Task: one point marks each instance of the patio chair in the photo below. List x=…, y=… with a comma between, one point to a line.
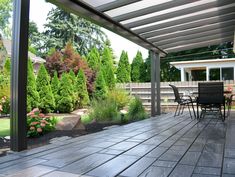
x=229, y=102
x=211, y=98
x=182, y=100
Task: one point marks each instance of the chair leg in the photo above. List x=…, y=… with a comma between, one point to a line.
x=197, y=112
x=176, y=110
x=189, y=111
x=193, y=111
x=224, y=113
x=182, y=109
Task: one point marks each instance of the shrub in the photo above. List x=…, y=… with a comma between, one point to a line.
x=55, y=88
x=101, y=90
x=103, y=110
x=136, y=67
x=136, y=110
x=93, y=59
x=32, y=93
x=83, y=98
x=121, y=97
x=65, y=102
x=39, y=124
x=47, y=101
x=74, y=90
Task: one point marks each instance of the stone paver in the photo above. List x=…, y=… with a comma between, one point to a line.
x=158, y=147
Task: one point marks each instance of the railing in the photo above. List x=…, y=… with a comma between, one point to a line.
x=143, y=91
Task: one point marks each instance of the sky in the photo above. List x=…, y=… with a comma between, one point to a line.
x=38, y=13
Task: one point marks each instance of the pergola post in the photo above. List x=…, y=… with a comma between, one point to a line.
x=158, y=83
x=153, y=83
x=19, y=75
x=234, y=41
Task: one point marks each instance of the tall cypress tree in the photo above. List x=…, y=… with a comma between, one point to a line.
x=93, y=59
x=32, y=93
x=124, y=69
x=73, y=83
x=65, y=102
x=47, y=101
x=83, y=98
x=136, y=67
x=100, y=91
x=7, y=66
x=55, y=87
x=108, y=68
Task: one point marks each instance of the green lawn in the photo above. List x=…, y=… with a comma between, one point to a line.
x=4, y=127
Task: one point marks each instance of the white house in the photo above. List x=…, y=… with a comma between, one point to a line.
x=212, y=69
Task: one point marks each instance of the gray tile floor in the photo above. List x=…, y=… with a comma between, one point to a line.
x=157, y=147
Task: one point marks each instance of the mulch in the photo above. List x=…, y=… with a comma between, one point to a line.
x=45, y=139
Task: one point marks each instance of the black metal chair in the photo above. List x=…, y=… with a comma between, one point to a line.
x=182, y=100
x=211, y=98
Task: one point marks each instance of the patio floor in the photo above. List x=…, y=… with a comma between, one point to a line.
x=157, y=147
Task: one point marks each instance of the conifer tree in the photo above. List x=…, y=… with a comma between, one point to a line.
x=32, y=93
x=65, y=102
x=47, y=102
x=108, y=68
x=7, y=66
x=100, y=91
x=83, y=98
x=55, y=87
x=93, y=59
x=136, y=67
x=123, y=70
x=73, y=83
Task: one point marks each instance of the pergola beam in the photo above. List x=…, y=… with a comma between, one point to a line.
x=188, y=41
x=149, y=31
x=206, y=33
x=115, y=4
x=198, y=45
x=152, y=9
x=86, y=11
x=196, y=24
x=193, y=31
x=177, y=13
x=19, y=75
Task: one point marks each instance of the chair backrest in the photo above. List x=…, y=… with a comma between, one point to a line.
x=211, y=93
x=176, y=93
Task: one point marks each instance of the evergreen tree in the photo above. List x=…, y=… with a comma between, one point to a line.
x=55, y=87
x=32, y=93
x=107, y=68
x=93, y=59
x=73, y=83
x=65, y=102
x=83, y=98
x=47, y=102
x=101, y=90
x=123, y=70
x=136, y=67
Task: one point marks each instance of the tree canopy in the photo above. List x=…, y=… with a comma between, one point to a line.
x=124, y=69
x=6, y=7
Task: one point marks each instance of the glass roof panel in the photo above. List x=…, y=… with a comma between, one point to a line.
x=96, y=3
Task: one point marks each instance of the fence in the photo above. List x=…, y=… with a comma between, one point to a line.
x=143, y=91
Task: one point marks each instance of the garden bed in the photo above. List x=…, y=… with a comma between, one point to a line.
x=48, y=138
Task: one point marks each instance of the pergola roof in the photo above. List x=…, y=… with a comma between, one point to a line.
x=164, y=25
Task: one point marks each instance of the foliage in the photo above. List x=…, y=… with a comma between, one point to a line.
x=7, y=66
x=5, y=105
x=119, y=96
x=62, y=27
x=39, y=124
x=145, y=75
x=86, y=119
x=6, y=7
x=65, y=101
x=55, y=88
x=83, y=98
x=68, y=59
x=123, y=70
x=108, y=68
x=103, y=110
x=32, y=93
x=136, y=67
x=136, y=110
x=47, y=102
x=100, y=91
x=73, y=82
x=93, y=59
x=5, y=80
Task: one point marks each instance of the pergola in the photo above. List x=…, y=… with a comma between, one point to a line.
x=162, y=27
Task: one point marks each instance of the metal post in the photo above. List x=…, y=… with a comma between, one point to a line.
x=153, y=83
x=158, y=82
x=234, y=41
x=19, y=75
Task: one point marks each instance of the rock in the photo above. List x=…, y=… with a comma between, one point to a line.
x=68, y=123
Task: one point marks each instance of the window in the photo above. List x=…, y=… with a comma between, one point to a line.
x=214, y=74
x=227, y=74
